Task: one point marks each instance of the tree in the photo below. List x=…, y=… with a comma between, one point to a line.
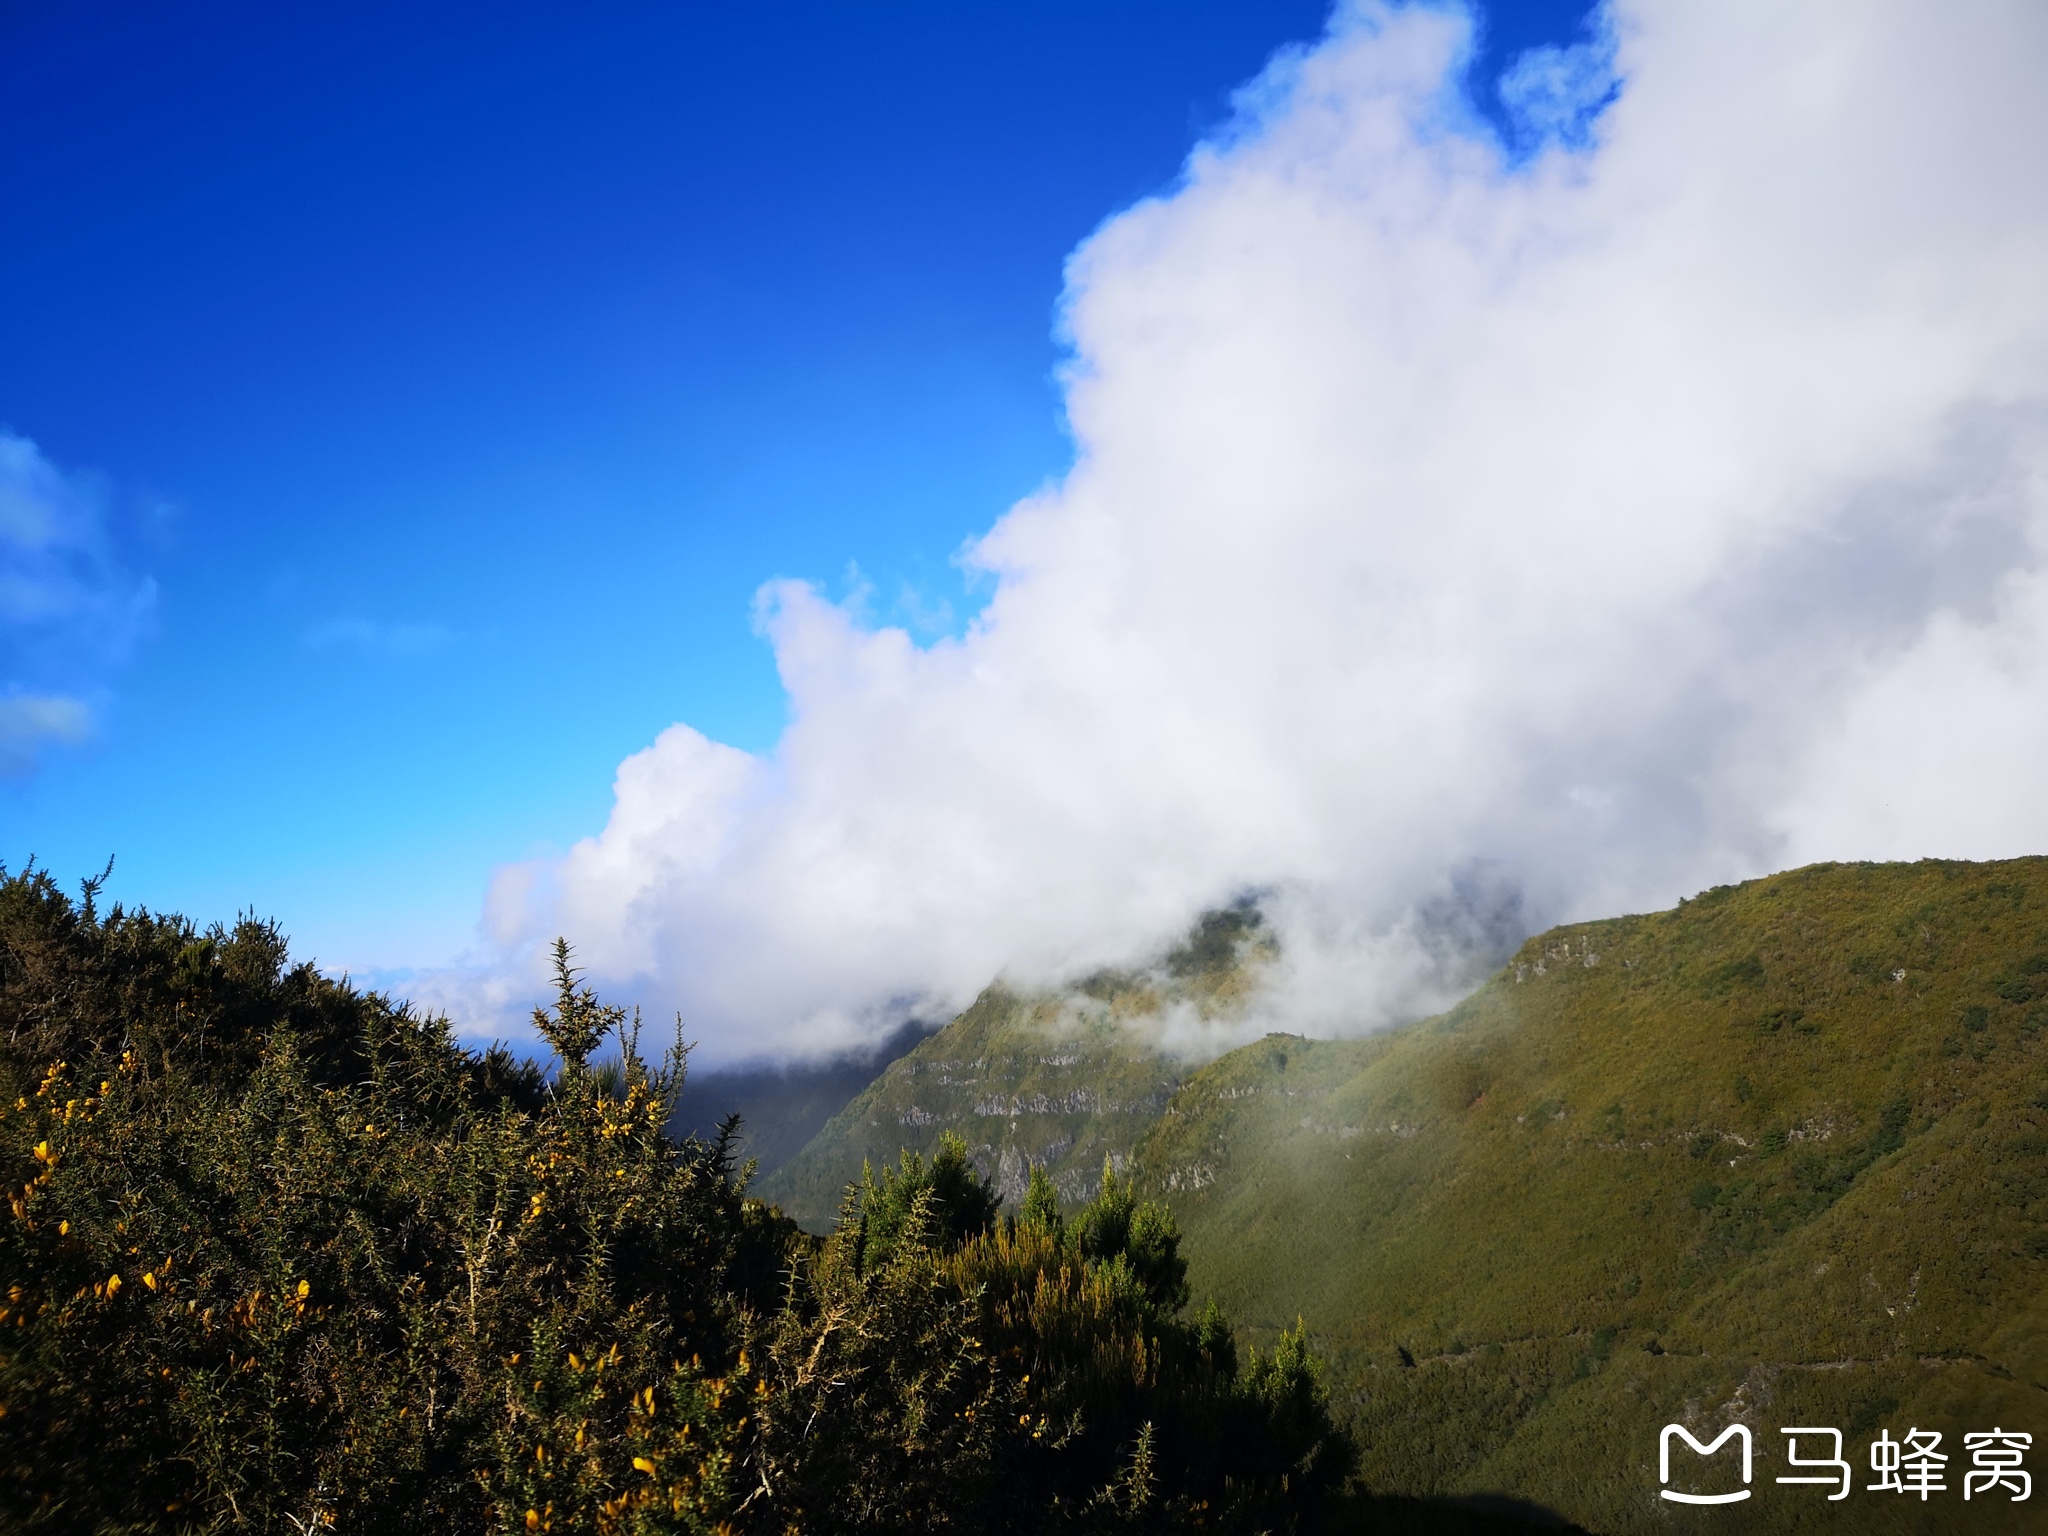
x=1117, y=1225
x=1018, y=1377
x=284, y=1254
x=961, y=1203
x=1041, y=1208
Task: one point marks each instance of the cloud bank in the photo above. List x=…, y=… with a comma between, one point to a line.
x=68, y=612
x=1460, y=539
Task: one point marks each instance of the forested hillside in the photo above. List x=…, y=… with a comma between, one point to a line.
x=1779, y=1155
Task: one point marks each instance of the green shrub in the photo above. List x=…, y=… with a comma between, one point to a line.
x=283, y=1252
x=282, y=1255
x=1026, y=1376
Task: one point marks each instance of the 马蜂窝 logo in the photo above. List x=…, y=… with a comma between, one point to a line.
x=1914, y=1466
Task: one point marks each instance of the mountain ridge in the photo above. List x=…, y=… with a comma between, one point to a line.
x=1776, y=1155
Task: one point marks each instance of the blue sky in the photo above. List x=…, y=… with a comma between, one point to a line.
x=441, y=382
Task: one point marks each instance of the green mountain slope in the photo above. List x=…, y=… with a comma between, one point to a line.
x=782, y=1108
x=1777, y=1156
x=1059, y=1080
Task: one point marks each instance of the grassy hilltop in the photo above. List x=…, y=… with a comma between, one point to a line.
x=1780, y=1154
x=1054, y=1081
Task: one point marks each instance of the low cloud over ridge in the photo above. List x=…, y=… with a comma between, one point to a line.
x=1456, y=539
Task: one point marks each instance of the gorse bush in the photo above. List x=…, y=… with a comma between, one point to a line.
x=280, y=1255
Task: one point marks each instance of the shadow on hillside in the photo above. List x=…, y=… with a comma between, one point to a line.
x=1485, y=1514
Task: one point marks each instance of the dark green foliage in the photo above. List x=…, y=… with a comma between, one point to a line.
x=895, y=1410
x=1891, y=1125
x=1212, y=948
x=1046, y=1385
x=955, y=1200
x=1214, y=1338
x=1285, y=1405
x=1746, y=972
x=578, y=1020
x=1041, y=1208
x=1116, y=1227
x=1774, y=1019
x=278, y=1255
x=1870, y=1413
x=283, y=1253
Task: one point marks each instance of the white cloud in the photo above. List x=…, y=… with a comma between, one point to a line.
x=68, y=612
x=1455, y=541
x=31, y=721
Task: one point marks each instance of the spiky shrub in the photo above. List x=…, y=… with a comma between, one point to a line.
x=279, y=1254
